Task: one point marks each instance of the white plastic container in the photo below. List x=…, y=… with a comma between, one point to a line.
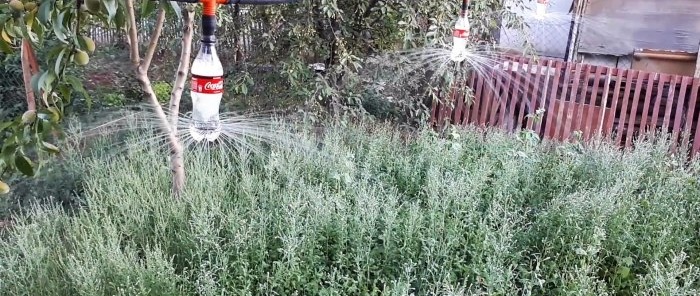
x=460, y=39
x=207, y=89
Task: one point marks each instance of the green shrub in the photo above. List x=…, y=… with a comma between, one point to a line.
x=113, y=99
x=162, y=90
x=370, y=212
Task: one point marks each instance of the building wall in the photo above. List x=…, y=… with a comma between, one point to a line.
x=618, y=27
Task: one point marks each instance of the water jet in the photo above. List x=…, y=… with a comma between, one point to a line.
x=207, y=74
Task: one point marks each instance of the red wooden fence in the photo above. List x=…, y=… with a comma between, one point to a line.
x=618, y=104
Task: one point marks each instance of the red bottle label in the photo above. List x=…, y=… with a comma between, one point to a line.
x=207, y=85
x=460, y=33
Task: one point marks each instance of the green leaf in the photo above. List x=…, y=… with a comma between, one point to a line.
x=624, y=272
x=111, y=6
x=65, y=93
x=5, y=47
x=50, y=147
x=54, y=51
x=147, y=7
x=42, y=81
x=24, y=165
x=78, y=86
x=39, y=126
x=3, y=19
x=35, y=82
x=59, y=59
x=38, y=29
x=9, y=150
x=176, y=8
x=627, y=261
x=45, y=11
x=55, y=114
x=48, y=83
x=58, y=28
x=10, y=29
x=5, y=125
x=120, y=19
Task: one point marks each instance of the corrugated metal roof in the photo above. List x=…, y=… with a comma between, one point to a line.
x=618, y=27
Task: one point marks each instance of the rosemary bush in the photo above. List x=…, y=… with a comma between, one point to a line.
x=371, y=211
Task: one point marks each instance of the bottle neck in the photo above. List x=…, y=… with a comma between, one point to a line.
x=207, y=47
x=208, y=41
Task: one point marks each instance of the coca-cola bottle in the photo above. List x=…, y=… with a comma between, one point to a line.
x=207, y=86
x=460, y=37
x=541, y=8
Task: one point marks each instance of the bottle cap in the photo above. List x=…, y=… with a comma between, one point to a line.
x=209, y=39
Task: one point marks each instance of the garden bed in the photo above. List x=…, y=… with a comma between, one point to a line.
x=370, y=213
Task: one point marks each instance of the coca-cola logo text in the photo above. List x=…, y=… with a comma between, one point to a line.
x=214, y=85
x=460, y=33
x=207, y=85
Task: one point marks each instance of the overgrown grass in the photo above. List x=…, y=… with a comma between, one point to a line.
x=367, y=213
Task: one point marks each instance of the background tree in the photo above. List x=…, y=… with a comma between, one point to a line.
x=266, y=50
x=355, y=39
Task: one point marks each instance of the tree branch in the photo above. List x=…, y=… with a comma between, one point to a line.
x=133, y=35
x=153, y=43
x=184, y=67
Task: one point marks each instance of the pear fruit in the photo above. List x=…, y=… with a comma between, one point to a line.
x=4, y=188
x=29, y=6
x=29, y=117
x=17, y=5
x=89, y=44
x=81, y=58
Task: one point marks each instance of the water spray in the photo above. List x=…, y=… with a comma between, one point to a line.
x=207, y=82
x=460, y=34
x=541, y=8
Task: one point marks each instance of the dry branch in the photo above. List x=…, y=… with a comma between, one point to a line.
x=153, y=43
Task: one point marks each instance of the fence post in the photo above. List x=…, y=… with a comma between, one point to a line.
x=697, y=63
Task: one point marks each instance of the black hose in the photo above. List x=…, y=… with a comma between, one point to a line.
x=261, y=2
x=465, y=5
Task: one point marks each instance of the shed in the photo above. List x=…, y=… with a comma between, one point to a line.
x=622, y=33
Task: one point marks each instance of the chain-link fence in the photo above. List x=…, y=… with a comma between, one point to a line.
x=548, y=35
x=12, y=98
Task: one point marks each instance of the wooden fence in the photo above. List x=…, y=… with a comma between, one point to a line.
x=618, y=104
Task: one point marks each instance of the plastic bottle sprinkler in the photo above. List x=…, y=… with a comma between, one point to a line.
x=541, y=8
x=207, y=82
x=460, y=34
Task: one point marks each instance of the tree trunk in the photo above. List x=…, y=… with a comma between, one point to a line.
x=177, y=159
x=30, y=67
x=141, y=68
